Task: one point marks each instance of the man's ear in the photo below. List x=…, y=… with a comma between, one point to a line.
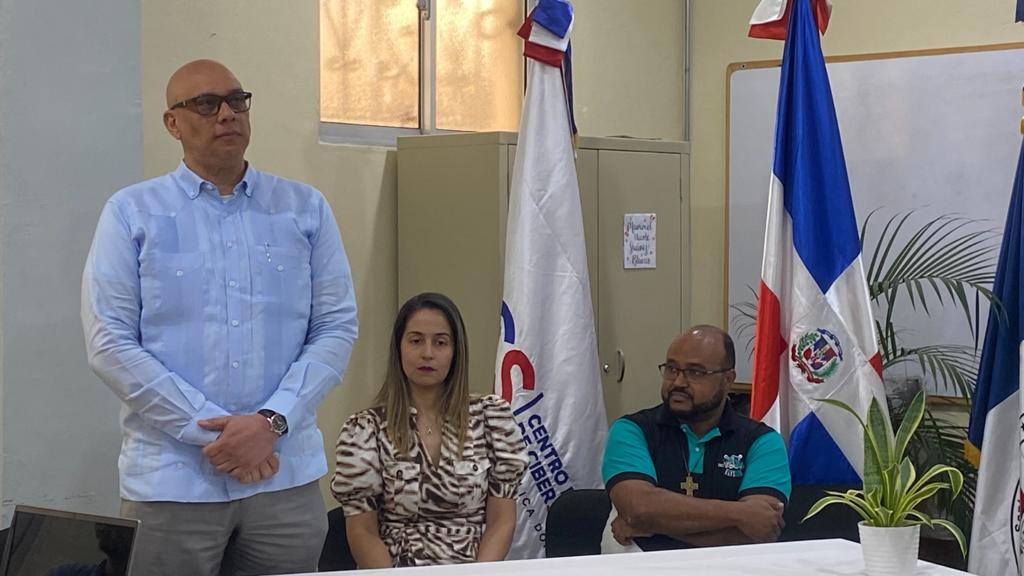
x=171, y=123
x=729, y=380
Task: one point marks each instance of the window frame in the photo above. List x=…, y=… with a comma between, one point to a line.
x=387, y=136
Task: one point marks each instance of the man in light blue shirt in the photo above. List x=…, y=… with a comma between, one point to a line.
x=217, y=303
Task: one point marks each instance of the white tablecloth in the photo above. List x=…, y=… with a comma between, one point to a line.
x=830, y=557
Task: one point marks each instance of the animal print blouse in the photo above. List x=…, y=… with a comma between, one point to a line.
x=430, y=513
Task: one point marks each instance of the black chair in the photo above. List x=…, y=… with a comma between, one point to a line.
x=575, y=523
x=835, y=521
x=336, y=554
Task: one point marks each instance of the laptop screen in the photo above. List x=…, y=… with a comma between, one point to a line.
x=55, y=543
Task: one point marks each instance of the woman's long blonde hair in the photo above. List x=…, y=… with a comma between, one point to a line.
x=394, y=396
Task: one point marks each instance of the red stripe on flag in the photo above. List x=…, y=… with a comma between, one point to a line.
x=876, y=363
x=544, y=54
x=769, y=346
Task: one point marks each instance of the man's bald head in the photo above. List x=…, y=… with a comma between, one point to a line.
x=716, y=334
x=214, y=144
x=191, y=79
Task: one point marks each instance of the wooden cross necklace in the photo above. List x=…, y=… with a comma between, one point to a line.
x=689, y=486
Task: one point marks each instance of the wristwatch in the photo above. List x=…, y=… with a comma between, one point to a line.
x=278, y=423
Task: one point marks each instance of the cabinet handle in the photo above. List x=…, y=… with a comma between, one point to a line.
x=622, y=364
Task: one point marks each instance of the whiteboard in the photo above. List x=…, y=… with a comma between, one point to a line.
x=936, y=132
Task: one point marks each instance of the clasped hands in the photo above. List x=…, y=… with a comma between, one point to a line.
x=244, y=449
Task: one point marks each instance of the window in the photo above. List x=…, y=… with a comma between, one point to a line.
x=396, y=67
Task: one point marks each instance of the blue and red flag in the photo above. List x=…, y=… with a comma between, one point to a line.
x=815, y=334
x=997, y=414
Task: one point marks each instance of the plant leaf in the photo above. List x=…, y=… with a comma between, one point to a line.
x=955, y=531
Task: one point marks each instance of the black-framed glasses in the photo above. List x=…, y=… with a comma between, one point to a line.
x=209, y=104
x=671, y=372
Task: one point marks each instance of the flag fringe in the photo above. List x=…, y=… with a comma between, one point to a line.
x=972, y=454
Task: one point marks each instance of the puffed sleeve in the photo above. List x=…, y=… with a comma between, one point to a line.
x=357, y=481
x=505, y=448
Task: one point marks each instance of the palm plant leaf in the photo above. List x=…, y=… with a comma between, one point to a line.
x=953, y=367
x=744, y=319
x=941, y=260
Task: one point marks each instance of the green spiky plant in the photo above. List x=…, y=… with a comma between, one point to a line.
x=893, y=491
x=946, y=261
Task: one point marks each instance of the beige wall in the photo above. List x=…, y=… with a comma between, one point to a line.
x=272, y=47
x=858, y=27
x=628, y=68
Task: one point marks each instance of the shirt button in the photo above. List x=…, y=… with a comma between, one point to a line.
x=697, y=448
x=234, y=364
x=231, y=244
x=180, y=466
x=280, y=268
x=234, y=322
x=179, y=273
x=232, y=283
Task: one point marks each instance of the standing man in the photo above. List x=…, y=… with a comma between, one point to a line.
x=690, y=471
x=217, y=304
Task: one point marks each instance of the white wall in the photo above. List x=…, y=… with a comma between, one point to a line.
x=69, y=137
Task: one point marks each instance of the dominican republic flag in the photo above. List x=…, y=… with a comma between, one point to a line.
x=547, y=365
x=771, y=18
x=815, y=335
x=997, y=414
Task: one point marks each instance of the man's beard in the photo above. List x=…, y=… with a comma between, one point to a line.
x=697, y=411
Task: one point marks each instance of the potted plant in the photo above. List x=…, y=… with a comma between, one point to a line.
x=893, y=491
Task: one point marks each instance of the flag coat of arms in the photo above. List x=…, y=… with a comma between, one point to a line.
x=814, y=334
x=997, y=414
x=547, y=365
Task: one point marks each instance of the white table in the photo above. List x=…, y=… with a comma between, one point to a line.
x=829, y=557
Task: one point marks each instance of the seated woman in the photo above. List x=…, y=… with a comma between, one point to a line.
x=429, y=473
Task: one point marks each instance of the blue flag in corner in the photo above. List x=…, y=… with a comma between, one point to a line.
x=996, y=417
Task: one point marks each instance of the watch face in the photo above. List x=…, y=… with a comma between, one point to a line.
x=278, y=423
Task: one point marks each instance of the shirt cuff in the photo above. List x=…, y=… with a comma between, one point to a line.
x=193, y=434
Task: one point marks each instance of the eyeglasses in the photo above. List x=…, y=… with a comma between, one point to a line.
x=209, y=104
x=670, y=372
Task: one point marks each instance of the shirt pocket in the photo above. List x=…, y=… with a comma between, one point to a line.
x=282, y=282
x=173, y=285
x=402, y=488
x=471, y=476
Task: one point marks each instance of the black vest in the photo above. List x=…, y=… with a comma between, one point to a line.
x=669, y=449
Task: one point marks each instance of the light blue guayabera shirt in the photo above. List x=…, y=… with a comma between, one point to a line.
x=195, y=307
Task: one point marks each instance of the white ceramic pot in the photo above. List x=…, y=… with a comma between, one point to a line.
x=889, y=551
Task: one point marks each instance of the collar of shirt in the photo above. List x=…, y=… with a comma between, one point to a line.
x=193, y=185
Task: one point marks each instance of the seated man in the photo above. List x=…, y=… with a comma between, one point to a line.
x=691, y=472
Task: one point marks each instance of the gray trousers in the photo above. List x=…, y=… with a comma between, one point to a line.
x=271, y=533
